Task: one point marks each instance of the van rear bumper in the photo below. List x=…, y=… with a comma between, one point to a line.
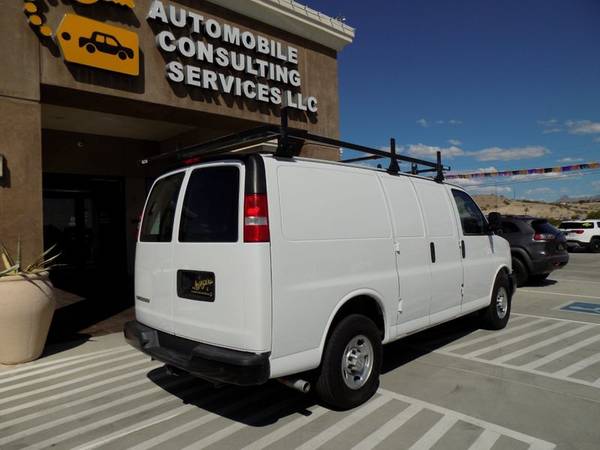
x=205, y=361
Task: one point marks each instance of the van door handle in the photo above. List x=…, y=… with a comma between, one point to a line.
x=432, y=249
x=462, y=249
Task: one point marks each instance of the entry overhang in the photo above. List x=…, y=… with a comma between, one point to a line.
x=294, y=18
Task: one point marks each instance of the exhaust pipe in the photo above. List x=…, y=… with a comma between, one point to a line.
x=296, y=383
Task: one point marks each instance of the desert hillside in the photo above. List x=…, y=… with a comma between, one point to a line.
x=555, y=211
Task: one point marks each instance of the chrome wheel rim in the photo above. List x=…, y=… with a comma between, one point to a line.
x=357, y=362
x=502, y=302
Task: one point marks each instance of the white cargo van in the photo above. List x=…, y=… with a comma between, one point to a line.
x=257, y=267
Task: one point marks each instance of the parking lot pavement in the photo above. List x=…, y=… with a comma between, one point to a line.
x=535, y=384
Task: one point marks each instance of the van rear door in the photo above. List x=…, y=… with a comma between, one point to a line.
x=154, y=252
x=222, y=285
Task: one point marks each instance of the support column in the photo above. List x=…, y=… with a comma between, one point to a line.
x=21, y=187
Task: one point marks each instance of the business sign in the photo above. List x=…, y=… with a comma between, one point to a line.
x=90, y=42
x=223, y=58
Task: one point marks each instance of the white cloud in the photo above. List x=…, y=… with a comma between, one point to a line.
x=539, y=191
x=422, y=150
x=427, y=123
x=490, y=190
x=570, y=160
x=548, y=123
x=509, y=154
x=454, y=142
x=552, y=130
x=582, y=127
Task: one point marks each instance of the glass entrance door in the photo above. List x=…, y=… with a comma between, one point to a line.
x=85, y=218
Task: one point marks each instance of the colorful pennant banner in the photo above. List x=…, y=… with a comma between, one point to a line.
x=512, y=173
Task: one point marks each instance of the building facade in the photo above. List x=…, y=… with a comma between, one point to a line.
x=90, y=87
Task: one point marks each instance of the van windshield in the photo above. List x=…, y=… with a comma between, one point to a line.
x=210, y=208
x=160, y=209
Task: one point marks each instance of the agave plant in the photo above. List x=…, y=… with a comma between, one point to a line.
x=13, y=266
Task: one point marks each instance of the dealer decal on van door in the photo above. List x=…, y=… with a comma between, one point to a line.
x=196, y=285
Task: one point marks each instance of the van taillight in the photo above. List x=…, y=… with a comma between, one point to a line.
x=256, y=218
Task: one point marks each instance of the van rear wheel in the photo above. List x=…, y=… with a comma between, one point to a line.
x=496, y=315
x=351, y=363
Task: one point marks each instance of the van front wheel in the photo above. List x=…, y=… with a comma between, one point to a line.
x=351, y=363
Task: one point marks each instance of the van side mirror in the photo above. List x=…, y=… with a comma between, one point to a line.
x=494, y=222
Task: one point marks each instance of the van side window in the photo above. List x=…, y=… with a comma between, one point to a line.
x=472, y=219
x=159, y=215
x=210, y=207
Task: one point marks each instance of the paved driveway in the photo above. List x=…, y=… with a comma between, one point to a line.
x=535, y=384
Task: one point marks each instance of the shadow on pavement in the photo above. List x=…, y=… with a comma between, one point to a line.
x=260, y=399
x=261, y=406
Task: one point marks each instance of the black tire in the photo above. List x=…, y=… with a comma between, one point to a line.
x=330, y=385
x=122, y=55
x=595, y=245
x=539, y=277
x=91, y=48
x=492, y=317
x=520, y=271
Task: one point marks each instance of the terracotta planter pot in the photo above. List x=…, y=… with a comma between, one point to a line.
x=26, y=308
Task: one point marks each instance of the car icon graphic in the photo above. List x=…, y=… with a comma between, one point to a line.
x=105, y=43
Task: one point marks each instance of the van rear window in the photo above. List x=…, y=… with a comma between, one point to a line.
x=157, y=225
x=210, y=208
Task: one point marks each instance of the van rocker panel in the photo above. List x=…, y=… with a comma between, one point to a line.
x=205, y=361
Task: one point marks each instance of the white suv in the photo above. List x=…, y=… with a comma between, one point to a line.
x=258, y=267
x=582, y=233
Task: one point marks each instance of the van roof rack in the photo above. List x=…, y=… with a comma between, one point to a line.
x=289, y=142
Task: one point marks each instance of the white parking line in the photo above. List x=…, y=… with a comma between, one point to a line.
x=64, y=373
x=552, y=340
x=507, y=342
x=70, y=382
x=32, y=369
x=70, y=392
x=532, y=441
x=79, y=430
x=579, y=365
x=487, y=336
x=332, y=431
x=388, y=428
x=562, y=319
x=206, y=418
x=435, y=433
x=559, y=353
x=237, y=426
x=86, y=413
x=529, y=291
x=79, y=401
x=485, y=441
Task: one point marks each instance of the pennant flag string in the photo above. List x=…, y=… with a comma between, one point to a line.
x=512, y=173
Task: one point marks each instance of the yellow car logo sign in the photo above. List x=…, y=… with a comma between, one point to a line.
x=96, y=44
x=128, y=3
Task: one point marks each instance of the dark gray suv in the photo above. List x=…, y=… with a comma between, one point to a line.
x=536, y=246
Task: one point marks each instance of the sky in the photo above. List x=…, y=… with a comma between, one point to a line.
x=499, y=85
